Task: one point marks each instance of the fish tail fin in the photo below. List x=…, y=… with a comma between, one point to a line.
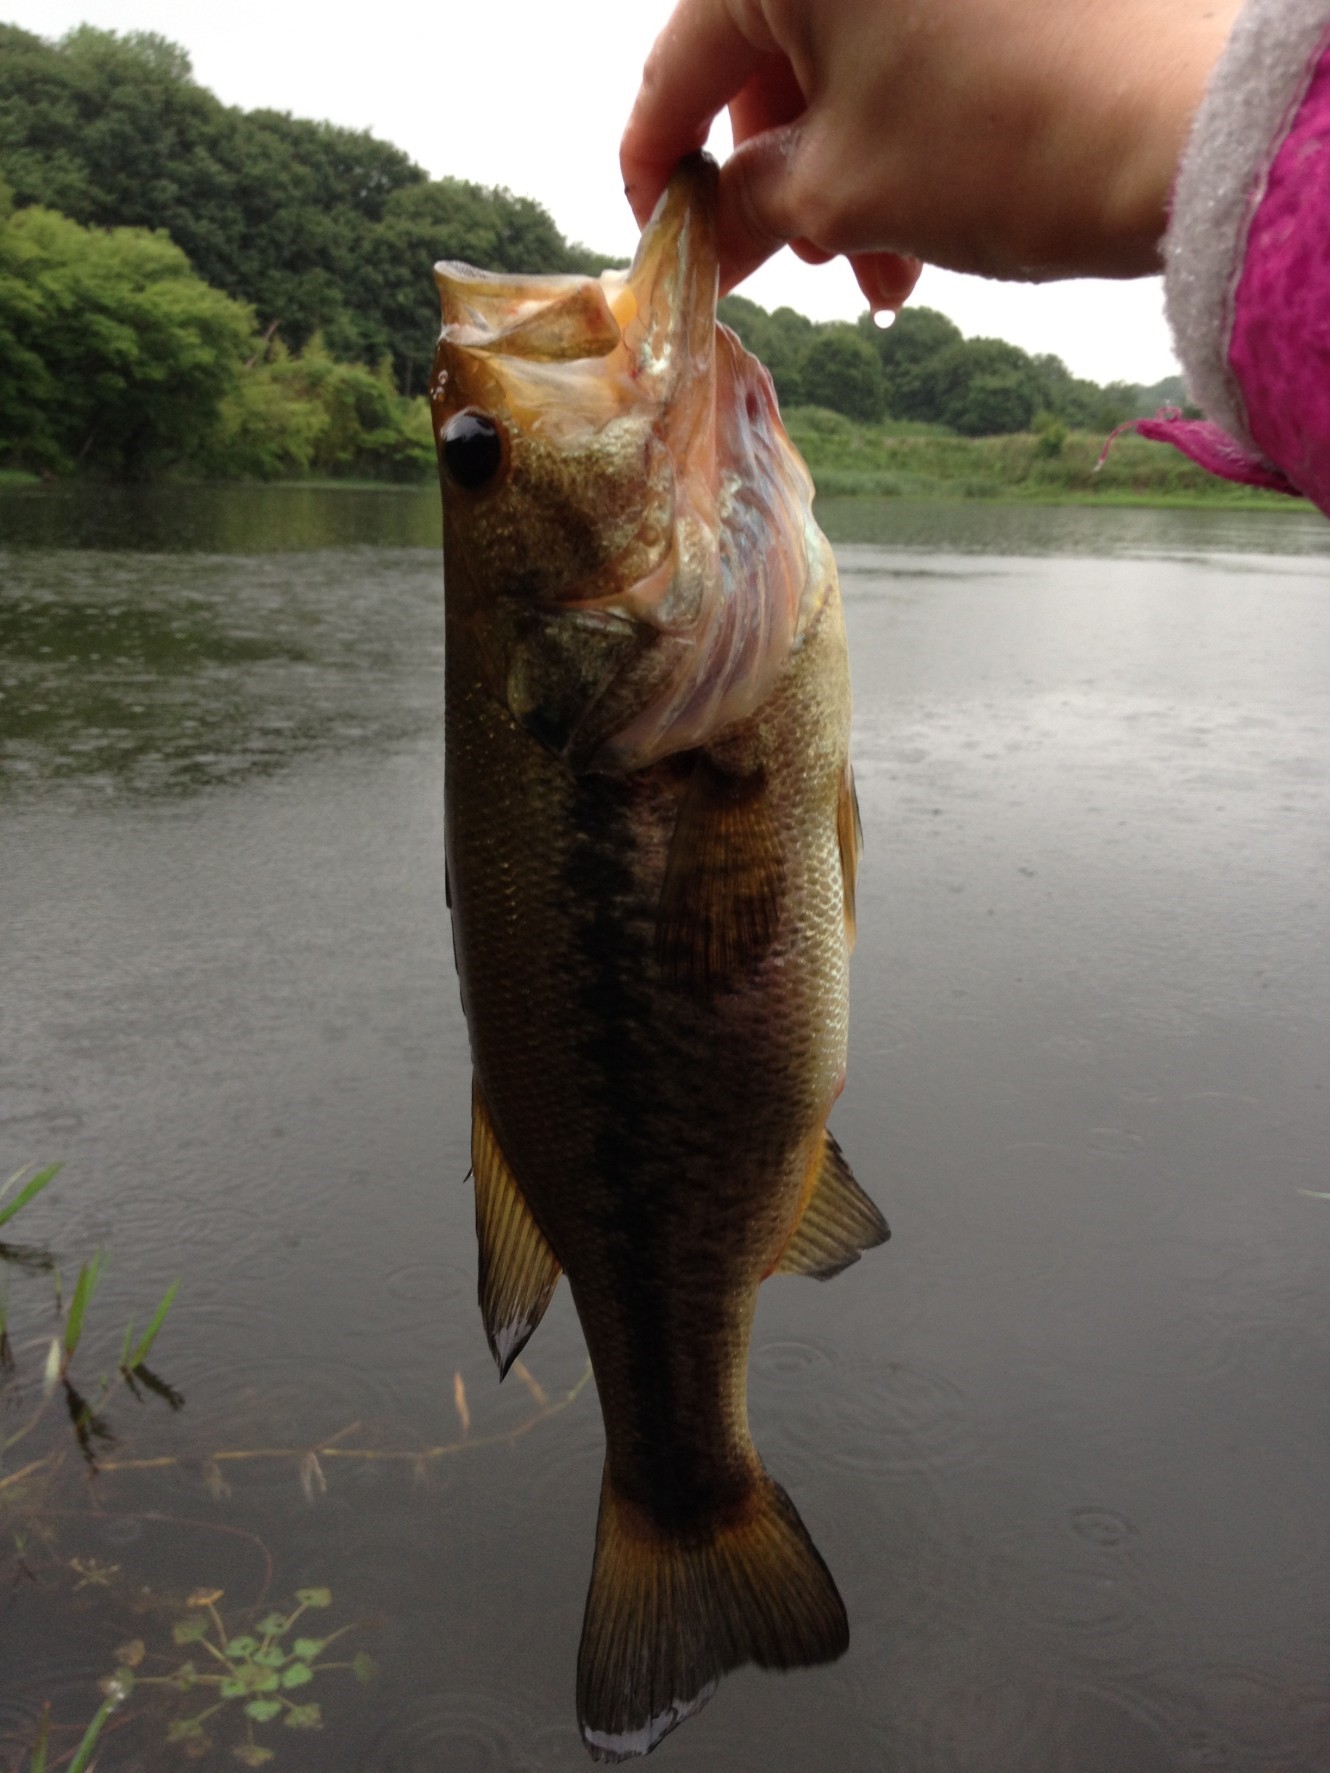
x=668, y=1614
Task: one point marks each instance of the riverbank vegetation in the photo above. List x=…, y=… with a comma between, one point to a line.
x=195, y=291
x=1049, y=464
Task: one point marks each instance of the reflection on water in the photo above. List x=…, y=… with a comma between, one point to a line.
x=165, y=673
x=235, y=519
x=1065, y=1452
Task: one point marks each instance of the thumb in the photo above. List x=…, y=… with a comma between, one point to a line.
x=758, y=202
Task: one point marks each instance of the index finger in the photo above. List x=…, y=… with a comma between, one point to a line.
x=696, y=66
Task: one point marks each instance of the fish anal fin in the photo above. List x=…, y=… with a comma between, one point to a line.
x=720, y=900
x=838, y=1224
x=850, y=839
x=668, y=1615
x=518, y=1270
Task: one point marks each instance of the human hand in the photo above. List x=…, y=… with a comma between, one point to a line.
x=1026, y=139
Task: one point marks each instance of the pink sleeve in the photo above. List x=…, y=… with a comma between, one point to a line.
x=1249, y=291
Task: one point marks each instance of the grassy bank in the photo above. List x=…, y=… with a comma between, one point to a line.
x=899, y=460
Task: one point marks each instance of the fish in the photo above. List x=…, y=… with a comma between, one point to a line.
x=651, y=839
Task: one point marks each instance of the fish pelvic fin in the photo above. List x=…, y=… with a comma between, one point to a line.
x=667, y=1615
x=838, y=1224
x=850, y=841
x=518, y=1269
x=724, y=875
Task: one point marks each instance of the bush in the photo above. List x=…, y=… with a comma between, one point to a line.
x=310, y=414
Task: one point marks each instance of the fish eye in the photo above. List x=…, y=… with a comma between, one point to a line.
x=472, y=449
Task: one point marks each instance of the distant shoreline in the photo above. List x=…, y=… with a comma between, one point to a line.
x=917, y=463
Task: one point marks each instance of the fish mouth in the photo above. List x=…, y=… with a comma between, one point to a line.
x=642, y=429
x=658, y=316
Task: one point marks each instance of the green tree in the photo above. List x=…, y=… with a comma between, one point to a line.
x=112, y=352
x=842, y=371
x=271, y=209
x=980, y=387
x=905, y=349
x=321, y=229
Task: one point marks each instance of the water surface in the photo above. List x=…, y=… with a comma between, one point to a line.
x=1062, y=1441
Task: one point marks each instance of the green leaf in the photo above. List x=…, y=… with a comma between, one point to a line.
x=273, y=1626
x=141, y=1353
x=189, y=1631
x=314, y=1597
x=252, y=1755
x=273, y=1657
x=245, y=1646
x=256, y=1680
x=364, y=1667
x=304, y=1717
x=231, y=1688
x=261, y=1710
x=296, y=1674
x=307, y=1648
x=89, y=1274
x=184, y=1677
x=83, y=1753
x=181, y=1729
x=39, y=1753
x=29, y=1191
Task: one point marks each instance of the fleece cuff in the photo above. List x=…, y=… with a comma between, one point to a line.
x=1250, y=105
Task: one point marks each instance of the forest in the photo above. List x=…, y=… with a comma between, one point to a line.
x=188, y=288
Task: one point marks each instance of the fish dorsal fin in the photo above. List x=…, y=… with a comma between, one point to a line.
x=850, y=839
x=838, y=1224
x=518, y=1269
x=720, y=900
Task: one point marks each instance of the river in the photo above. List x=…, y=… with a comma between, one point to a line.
x=1063, y=1441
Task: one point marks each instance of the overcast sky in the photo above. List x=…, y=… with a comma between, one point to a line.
x=533, y=94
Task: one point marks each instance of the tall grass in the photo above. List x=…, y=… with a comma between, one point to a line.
x=898, y=460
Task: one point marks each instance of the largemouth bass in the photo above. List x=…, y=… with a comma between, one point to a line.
x=651, y=847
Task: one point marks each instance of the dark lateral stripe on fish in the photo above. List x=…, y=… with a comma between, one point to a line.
x=625, y=1047
x=615, y=1005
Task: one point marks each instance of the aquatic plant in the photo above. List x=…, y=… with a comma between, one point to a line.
x=255, y=1671
x=90, y=1430
x=252, y=1672
x=83, y=1753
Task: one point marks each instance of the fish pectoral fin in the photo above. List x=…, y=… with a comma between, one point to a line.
x=838, y=1224
x=850, y=839
x=667, y=1615
x=720, y=900
x=518, y=1269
